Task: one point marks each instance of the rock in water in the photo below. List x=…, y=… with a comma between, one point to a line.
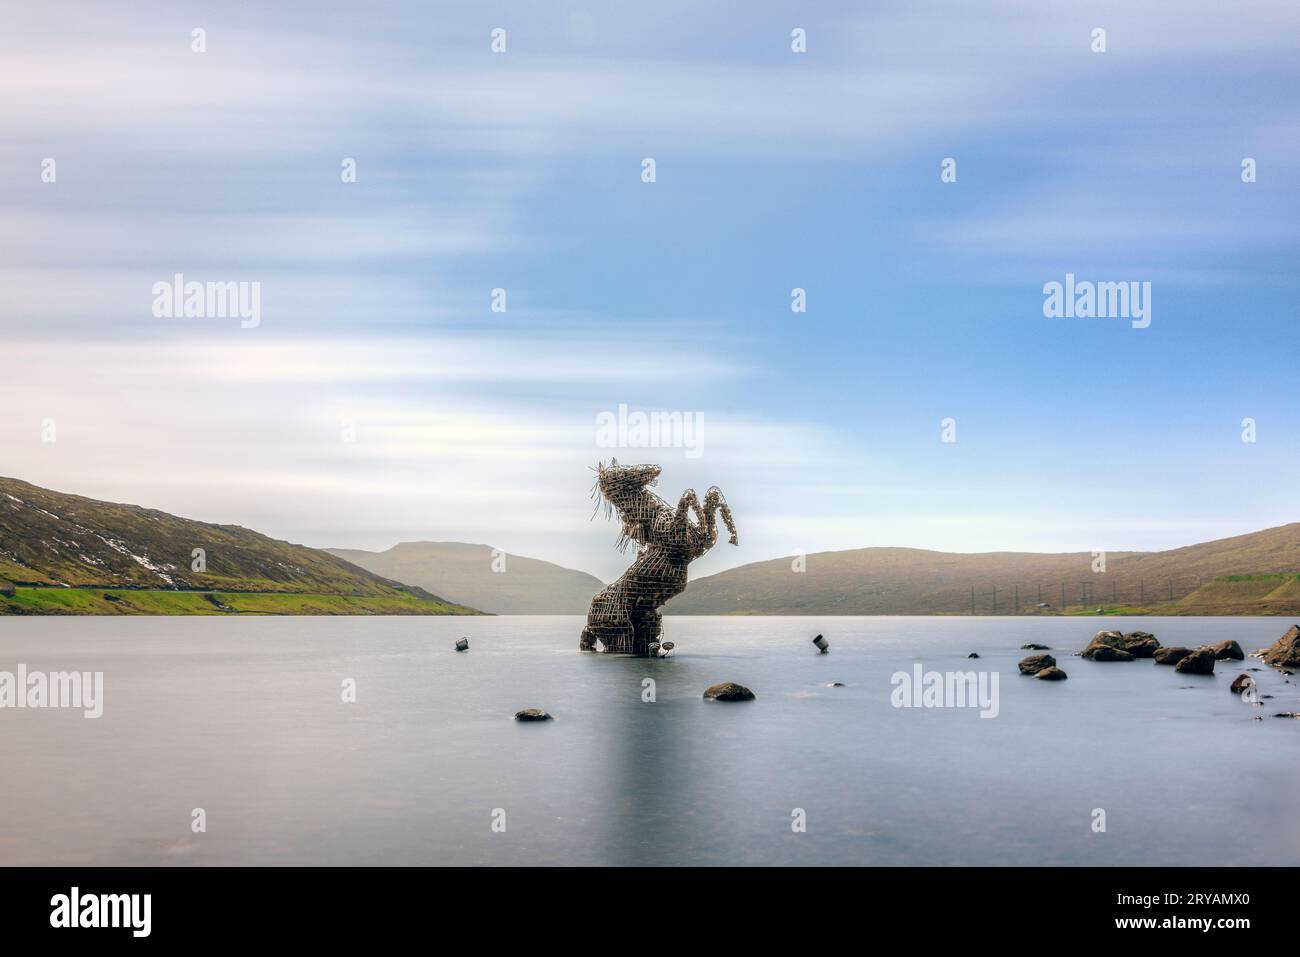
x=1117, y=646
x=1170, y=656
x=1052, y=674
x=462, y=645
x=1036, y=663
x=1241, y=683
x=532, y=714
x=1112, y=646
x=1140, y=644
x=1285, y=652
x=1199, y=662
x=1103, y=639
x=822, y=645
x=972, y=655
x=1034, y=647
x=728, y=691
x=1227, y=649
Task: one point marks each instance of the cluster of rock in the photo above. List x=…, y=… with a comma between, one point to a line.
x=1105, y=646
x=1042, y=666
x=1285, y=652
x=1117, y=646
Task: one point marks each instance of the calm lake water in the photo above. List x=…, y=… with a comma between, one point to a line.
x=244, y=719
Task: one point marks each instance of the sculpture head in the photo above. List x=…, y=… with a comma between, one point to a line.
x=619, y=483
x=623, y=489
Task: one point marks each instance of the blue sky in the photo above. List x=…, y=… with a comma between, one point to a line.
x=775, y=170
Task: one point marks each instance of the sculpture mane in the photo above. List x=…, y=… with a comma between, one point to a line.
x=625, y=617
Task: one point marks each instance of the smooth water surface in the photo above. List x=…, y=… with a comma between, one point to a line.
x=244, y=719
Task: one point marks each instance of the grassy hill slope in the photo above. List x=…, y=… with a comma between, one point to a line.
x=1246, y=574
x=464, y=573
x=56, y=548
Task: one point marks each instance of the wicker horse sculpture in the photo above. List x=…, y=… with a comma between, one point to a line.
x=624, y=617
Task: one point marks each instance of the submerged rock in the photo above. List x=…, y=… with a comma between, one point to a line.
x=1199, y=662
x=1036, y=663
x=728, y=691
x=1117, y=646
x=1104, y=639
x=1285, y=652
x=1170, y=656
x=1034, y=647
x=972, y=655
x=1140, y=644
x=1227, y=649
x=836, y=684
x=1241, y=683
x=1051, y=674
x=532, y=714
x=462, y=645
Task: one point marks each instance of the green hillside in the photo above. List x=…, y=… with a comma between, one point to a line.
x=1247, y=574
x=465, y=573
x=60, y=554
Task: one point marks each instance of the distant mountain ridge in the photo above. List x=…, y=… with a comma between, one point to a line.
x=464, y=573
x=52, y=542
x=63, y=553
x=1254, y=573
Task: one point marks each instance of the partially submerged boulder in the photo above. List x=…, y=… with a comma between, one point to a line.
x=1104, y=639
x=1227, y=649
x=1170, y=656
x=1116, y=646
x=973, y=655
x=1199, y=662
x=1051, y=674
x=822, y=644
x=1285, y=652
x=728, y=691
x=1032, y=646
x=532, y=714
x=1107, y=653
x=1241, y=683
x=1140, y=644
x=462, y=644
x=1036, y=663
